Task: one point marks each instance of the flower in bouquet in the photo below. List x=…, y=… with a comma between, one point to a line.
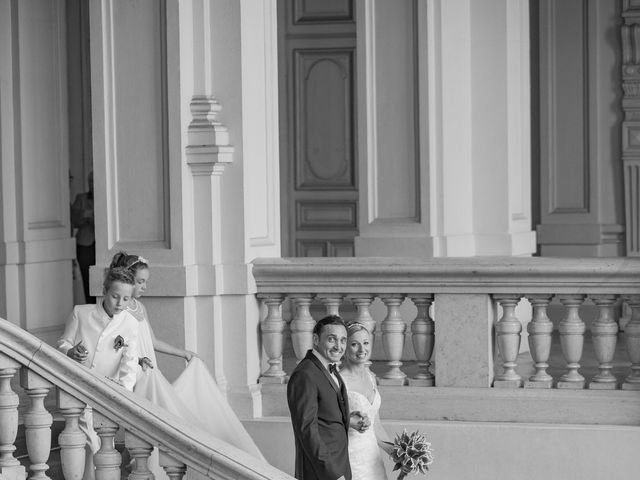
x=411, y=453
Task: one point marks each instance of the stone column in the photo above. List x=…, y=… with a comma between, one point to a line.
x=36, y=247
x=186, y=163
x=444, y=128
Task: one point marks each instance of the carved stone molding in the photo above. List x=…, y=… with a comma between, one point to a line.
x=630, y=37
x=208, y=150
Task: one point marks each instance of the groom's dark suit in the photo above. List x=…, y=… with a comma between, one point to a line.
x=320, y=418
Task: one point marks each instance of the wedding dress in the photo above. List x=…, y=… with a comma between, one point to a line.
x=194, y=396
x=364, y=453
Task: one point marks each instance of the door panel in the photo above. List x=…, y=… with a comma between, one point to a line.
x=318, y=127
x=323, y=119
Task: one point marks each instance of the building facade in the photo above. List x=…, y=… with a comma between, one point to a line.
x=221, y=131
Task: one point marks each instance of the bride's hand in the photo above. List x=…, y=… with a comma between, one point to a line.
x=359, y=421
x=188, y=355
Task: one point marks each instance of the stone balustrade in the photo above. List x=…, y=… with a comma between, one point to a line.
x=466, y=316
x=41, y=369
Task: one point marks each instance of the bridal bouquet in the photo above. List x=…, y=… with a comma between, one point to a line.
x=411, y=453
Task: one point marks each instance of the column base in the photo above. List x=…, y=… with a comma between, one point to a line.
x=14, y=472
x=393, y=382
x=422, y=382
x=507, y=383
x=630, y=386
x=274, y=380
x=603, y=386
x=563, y=385
x=541, y=384
x=246, y=400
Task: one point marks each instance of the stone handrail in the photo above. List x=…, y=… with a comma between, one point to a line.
x=474, y=303
x=448, y=275
x=183, y=443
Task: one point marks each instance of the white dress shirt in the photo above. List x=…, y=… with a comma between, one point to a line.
x=326, y=364
x=98, y=332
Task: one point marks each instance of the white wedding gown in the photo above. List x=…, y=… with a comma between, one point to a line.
x=364, y=453
x=193, y=396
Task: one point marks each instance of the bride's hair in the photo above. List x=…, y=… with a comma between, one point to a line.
x=353, y=327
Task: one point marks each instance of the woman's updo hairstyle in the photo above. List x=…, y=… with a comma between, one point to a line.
x=353, y=327
x=130, y=262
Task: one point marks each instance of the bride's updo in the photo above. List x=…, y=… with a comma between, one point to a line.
x=353, y=327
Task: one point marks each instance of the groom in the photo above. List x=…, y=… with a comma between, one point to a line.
x=319, y=406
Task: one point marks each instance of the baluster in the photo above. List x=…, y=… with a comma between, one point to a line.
x=272, y=328
x=572, y=330
x=604, y=334
x=107, y=459
x=72, y=439
x=393, y=330
x=140, y=451
x=174, y=469
x=632, y=335
x=363, y=316
x=625, y=315
x=302, y=325
x=331, y=303
x=540, y=329
x=37, y=423
x=508, y=331
x=422, y=337
x=9, y=465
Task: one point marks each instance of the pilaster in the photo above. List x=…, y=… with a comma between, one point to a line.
x=36, y=247
x=450, y=175
x=200, y=201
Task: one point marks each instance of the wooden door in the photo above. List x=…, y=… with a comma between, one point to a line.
x=318, y=157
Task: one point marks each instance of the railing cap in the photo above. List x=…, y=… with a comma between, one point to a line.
x=517, y=275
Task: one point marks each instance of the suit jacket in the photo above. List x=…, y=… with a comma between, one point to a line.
x=320, y=419
x=91, y=324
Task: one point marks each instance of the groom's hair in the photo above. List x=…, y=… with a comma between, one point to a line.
x=328, y=320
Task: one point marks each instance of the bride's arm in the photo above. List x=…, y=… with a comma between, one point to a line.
x=164, y=347
x=381, y=434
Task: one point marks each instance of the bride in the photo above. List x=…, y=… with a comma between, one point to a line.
x=364, y=448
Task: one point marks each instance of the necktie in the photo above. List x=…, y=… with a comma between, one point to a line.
x=334, y=370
